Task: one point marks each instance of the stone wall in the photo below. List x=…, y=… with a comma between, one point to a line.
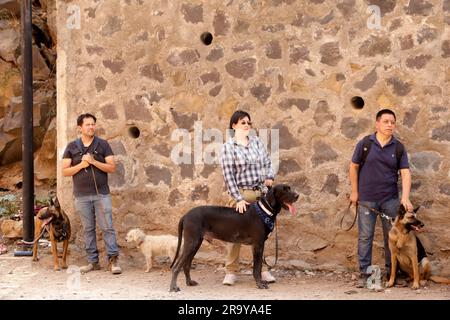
x=294, y=66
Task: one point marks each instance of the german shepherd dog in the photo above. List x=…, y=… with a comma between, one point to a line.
x=58, y=226
x=408, y=252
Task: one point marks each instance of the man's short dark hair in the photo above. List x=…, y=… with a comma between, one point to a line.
x=385, y=111
x=83, y=116
x=238, y=115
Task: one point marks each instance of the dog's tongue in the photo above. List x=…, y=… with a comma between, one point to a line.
x=292, y=209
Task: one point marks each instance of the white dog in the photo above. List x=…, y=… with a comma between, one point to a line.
x=152, y=246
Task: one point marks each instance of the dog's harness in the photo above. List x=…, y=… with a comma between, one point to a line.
x=266, y=216
x=60, y=230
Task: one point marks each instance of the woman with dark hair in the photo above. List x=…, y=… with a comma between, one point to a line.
x=247, y=171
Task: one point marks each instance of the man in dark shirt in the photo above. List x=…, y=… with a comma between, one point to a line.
x=374, y=186
x=88, y=160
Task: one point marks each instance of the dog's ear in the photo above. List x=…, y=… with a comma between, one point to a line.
x=416, y=209
x=270, y=197
x=56, y=203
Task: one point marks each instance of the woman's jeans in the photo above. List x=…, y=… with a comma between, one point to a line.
x=98, y=208
x=366, y=230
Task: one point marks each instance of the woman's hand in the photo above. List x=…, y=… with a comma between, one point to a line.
x=241, y=206
x=268, y=182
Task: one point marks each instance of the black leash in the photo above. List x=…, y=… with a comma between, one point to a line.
x=381, y=214
x=354, y=219
x=276, y=249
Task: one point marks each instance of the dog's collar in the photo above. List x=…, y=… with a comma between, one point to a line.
x=265, y=209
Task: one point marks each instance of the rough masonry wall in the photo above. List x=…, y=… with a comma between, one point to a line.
x=294, y=66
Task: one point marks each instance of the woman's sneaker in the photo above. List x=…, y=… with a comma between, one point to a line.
x=229, y=279
x=267, y=276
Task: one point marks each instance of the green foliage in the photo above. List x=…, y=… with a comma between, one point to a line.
x=9, y=205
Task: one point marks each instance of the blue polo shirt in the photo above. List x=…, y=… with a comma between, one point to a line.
x=378, y=177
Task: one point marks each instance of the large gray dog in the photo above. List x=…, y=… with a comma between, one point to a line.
x=224, y=223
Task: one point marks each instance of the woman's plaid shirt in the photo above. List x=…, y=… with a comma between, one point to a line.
x=245, y=166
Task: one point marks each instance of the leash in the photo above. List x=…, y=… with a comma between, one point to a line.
x=381, y=214
x=95, y=180
x=354, y=219
x=276, y=250
x=37, y=239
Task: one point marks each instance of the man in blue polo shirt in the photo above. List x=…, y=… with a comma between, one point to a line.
x=374, y=186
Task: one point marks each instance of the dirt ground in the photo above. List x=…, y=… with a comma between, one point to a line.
x=22, y=279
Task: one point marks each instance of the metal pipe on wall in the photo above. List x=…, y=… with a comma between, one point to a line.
x=27, y=122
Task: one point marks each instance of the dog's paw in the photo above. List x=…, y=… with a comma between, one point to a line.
x=174, y=289
x=263, y=285
x=35, y=259
x=415, y=286
x=64, y=266
x=56, y=268
x=191, y=283
x=147, y=270
x=390, y=284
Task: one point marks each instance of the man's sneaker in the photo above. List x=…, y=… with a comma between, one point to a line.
x=267, y=276
x=229, y=279
x=90, y=267
x=362, y=281
x=114, y=265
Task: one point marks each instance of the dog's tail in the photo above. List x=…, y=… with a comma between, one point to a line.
x=438, y=279
x=180, y=238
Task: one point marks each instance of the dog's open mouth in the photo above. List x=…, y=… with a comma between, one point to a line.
x=290, y=207
x=416, y=227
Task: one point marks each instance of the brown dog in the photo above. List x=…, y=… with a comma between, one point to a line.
x=408, y=251
x=57, y=223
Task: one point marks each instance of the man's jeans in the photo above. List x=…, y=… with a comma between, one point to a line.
x=90, y=209
x=366, y=230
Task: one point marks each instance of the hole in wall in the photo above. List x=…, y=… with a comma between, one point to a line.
x=134, y=132
x=206, y=38
x=357, y=102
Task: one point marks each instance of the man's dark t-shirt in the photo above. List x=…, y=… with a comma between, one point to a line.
x=83, y=181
